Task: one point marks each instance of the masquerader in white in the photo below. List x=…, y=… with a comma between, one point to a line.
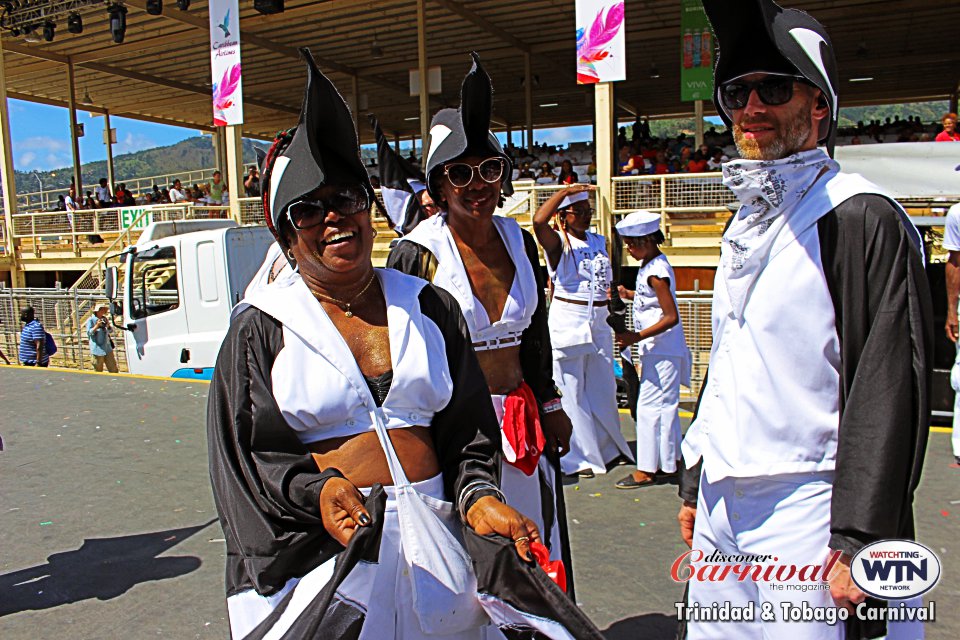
x=582, y=341
x=664, y=356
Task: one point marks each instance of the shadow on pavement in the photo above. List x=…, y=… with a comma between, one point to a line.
x=102, y=568
x=650, y=626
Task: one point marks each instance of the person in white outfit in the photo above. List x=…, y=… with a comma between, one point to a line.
x=663, y=351
x=582, y=341
x=951, y=242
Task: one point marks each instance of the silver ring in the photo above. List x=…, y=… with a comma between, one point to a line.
x=522, y=539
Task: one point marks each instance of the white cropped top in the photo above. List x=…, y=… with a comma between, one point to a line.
x=434, y=235
x=317, y=383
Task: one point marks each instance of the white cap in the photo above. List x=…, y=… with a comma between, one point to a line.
x=579, y=196
x=639, y=223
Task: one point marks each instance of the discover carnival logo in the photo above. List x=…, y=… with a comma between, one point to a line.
x=895, y=569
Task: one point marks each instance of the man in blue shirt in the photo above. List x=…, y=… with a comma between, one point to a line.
x=101, y=346
x=32, y=340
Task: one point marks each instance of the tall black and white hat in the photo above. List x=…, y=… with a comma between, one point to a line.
x=400, y=183
x=761, y=36
x=323, y=149
x=455, y=133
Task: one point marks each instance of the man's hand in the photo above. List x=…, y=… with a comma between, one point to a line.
x=844, y=592
x=953, y=331
x=342, y=510
x=488, y=515
x=627, y=338
x=625, y=293
x=556, y=431
x=686, y=518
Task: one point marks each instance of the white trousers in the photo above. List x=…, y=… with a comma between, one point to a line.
x=589, y=389
x=955, y=383
x=658, y=418
x=525, y=493
x=785, y=516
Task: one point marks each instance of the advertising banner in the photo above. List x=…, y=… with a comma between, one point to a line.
x=225, y=62
x=696, y=52
x=601, y=41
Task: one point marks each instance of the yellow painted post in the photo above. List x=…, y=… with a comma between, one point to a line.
x=422, y=66
x=698, y=116
x=606, y=134
x=7, y=178
x=233, y=149
x=528, y=100
x=108, y=141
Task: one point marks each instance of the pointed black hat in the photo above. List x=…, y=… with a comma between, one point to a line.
x=323, y=148
x=458, y=132
x=760, y=35
x=400, y=182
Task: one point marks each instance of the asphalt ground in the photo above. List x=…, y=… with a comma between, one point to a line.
x=109, y=530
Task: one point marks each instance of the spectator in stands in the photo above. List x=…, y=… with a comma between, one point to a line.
x=631, y=163
x=215, y=189
x=101, y=344
x=375, y=182
x=855, y=140
x=412, y=158
x=103, y=194
x=622, y=137
x=567, y=174
x=251, y=185
x=176, y=192
x=165, y=196
x=124, y=196
x=716, y=160
x=61, y=203
x=660, y=165
x=89, y=202
x=33, y=341
x=525, y=172
x=949, y=133
x=546, y=174
x=697, y=164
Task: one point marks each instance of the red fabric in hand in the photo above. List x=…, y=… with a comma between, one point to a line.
x=521, y=428
x=554, y=569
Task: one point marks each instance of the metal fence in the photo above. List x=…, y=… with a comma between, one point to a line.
x=63, y=314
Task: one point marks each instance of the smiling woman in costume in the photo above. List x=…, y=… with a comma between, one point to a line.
x=340, y=377
x=492, y=268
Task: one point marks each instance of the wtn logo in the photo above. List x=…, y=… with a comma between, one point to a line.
x=895, y=569
x=902, y=569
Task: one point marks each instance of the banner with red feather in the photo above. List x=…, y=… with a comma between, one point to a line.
x=601, y=41
x=225, y=67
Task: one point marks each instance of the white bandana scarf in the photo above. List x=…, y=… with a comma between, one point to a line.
x=769, y=192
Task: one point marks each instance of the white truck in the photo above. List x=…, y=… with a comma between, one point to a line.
x=180, y=282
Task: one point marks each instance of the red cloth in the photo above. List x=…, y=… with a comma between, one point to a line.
x=943, y=136
x=555, y=569
x=521, y=428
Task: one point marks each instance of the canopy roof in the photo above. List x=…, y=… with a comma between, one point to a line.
x=162, y=71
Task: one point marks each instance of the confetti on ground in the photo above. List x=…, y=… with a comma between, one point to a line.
x=944, y=513
x=595, y=495
x=636, y=499
x=170, y=538
x=216, y=540
x=643, y=524
x=43, y=524
x=177, y=441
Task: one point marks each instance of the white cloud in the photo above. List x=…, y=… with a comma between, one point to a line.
x=132, y=142
x=26, y=160
x=42, y=152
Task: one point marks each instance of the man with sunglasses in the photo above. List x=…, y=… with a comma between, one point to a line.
x=810, y=430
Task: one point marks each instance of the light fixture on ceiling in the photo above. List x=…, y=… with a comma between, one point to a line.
x=550, y=104
x=183, y=5
x=75, y=23
x=654, y=71
x=49, y=30
x=86, y=97
x=412, y=119
x=154, y=7
x=862, y=79
x=267, y=7
x=376, y=51
x=118, y=22
x=862, y=50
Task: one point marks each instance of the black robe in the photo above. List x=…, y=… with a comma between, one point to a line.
x=267, y=486
x=873, y=265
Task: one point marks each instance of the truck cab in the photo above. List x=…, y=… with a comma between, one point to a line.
x=178, y=287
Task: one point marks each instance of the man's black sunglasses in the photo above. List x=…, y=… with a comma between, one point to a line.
x=773, y=90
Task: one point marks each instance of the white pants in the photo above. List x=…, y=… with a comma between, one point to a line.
x=788, y=517
x=955, y=383
x=658, y=418
x=524, y=493
x=586, y=380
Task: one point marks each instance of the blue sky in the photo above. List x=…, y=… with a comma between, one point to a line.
x=41, y=136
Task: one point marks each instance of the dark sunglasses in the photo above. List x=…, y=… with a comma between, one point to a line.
x=579, y=211
x=773, y=90
x=460, y=174
x=350, y=201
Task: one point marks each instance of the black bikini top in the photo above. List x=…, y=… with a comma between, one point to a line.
x=380, y=386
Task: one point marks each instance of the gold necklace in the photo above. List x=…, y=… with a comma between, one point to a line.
x=346, y=305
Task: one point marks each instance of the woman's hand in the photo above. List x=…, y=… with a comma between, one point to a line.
x=687, y=517
x=488, y=515
x=342, y=510
x=627, y=338
x=843, y=590
x=625, y=293
x=557, y=430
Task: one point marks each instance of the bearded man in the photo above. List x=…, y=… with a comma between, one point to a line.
x=809, y=436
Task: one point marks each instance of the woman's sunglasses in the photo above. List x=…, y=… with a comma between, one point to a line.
x=580, y=212
x=773, y=90
x=350, y=201
x=460, y=174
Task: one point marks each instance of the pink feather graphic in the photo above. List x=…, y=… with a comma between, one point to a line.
x=222, y=92
x=592, y=43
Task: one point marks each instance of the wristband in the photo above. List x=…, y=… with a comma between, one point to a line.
x=551, y=405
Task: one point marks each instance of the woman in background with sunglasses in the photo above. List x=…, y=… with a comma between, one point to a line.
x=341, y=377
x=582, y=341
x=492, y=268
